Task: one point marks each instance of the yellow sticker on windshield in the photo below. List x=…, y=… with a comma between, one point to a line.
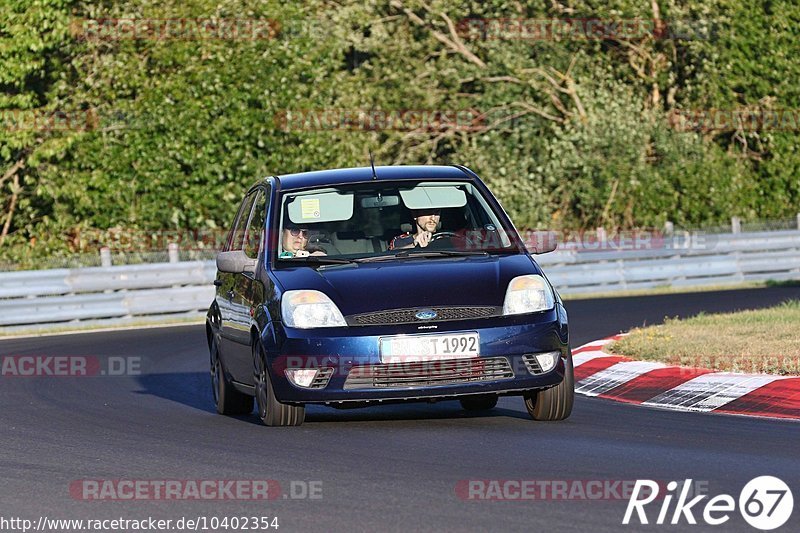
x=309, y=208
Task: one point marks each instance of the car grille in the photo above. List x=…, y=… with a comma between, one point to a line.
x=532, y=364
x=406, y=316
x=429, y=373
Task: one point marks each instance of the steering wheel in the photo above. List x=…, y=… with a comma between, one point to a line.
x=459, y=240
x=443, y=235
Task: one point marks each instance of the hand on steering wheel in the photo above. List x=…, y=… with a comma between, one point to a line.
x=460, y=240
x=425, y=239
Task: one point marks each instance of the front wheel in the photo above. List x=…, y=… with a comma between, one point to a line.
x=556, y=402
x=270, y=410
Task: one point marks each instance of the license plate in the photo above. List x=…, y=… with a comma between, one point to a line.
x=410, y=348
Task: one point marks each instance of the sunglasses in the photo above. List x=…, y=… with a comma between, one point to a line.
x=296, y=232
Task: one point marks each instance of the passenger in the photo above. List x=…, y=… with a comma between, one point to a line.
x=295, y=242
x=426, y=222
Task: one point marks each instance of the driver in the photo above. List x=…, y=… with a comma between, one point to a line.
x=295, y=242
x=426, y=222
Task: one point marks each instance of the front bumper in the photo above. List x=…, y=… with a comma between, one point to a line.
x=354, y=373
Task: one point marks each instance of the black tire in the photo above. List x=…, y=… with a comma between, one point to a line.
x=479, y=403
x=270, y=410
x=227, y=399
x=556, y=402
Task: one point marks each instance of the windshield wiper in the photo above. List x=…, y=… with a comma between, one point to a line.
x=405, y=254
x=319, y=259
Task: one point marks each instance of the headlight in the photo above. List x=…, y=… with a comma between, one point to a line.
x=528, y=294
x=310, y=309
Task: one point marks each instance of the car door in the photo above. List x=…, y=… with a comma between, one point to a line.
x=227, y=300
x=246, y=288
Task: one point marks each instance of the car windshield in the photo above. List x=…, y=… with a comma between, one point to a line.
x=381, y=221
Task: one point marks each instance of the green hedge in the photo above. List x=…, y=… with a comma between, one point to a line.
x=575, y=133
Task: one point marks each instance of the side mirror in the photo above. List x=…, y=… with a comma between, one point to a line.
x=235, y=262
x=542, y=242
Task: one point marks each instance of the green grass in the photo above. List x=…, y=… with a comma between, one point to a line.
x=666, y=289
x=761, y=341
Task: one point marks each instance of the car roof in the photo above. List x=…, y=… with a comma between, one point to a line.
x=360, y=174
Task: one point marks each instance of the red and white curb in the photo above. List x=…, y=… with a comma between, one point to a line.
x=601, y=373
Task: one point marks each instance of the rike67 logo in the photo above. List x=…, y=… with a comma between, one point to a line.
x=765, y=503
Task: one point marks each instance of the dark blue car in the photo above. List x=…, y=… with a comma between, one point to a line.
x=361, y=286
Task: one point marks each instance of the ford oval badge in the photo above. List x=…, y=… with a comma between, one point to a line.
x=426, y=314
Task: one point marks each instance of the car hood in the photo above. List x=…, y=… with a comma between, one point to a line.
x=411, y=283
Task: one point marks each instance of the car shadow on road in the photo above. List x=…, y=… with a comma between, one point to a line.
x=448, y=409
x=188, y=388
x=193, y=389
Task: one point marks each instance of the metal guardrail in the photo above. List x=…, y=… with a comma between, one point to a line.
x=116, y=293
x=100, y=293
x=678, y=262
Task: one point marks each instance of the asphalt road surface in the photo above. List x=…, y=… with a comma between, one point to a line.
x=390, y=468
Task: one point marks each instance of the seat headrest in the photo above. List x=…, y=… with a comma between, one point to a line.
x=350, y=235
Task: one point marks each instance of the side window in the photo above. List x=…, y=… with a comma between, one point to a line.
x=255, y=228
x=239, y=227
